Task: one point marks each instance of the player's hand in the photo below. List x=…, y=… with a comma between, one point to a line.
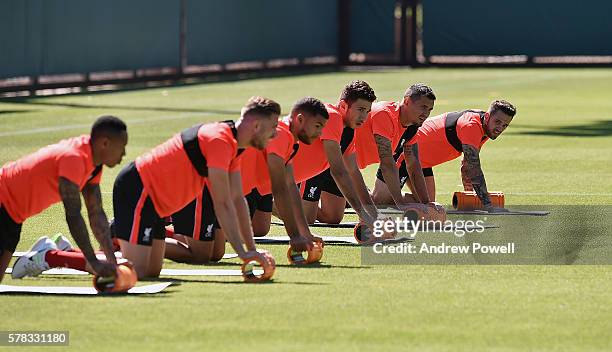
x=367, y=219
x=301, y=243
x=249, y=255
x=104, y=268
x=437, y=206
x=109, y=251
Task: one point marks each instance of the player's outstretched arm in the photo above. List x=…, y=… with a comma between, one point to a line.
x=289, y=204
x=98, y=220
x=415, y=172
x=242, y=211
x=225, y=208
x=388, y=168
x=465, y=178
x=69, y=192
x=296, y=204
x=474, y=171
x=360, y=187
x=343, y=180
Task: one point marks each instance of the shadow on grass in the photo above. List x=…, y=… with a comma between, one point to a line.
x=237, y=282
x=306, y=266
x=14, y=111
x=601, y=128
x=33, y=101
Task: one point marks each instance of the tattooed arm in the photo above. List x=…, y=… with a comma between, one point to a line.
x=388, y=168
x=476, y=176
x=465, y=178
x=71, y=198
x=98, y=220
x=415, y=172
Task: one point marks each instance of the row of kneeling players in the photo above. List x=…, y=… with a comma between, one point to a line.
x=222, y=181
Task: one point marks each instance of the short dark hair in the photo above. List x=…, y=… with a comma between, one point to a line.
x=357, y=90
x=419, y=90
x=107, y=126
x=261, y=106
x=311, y=106
x=503, y=106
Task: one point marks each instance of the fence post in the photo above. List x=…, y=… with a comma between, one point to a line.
x=182, y=38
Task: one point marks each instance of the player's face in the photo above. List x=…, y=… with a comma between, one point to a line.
x=418, y=109
x=265, y=129
x=358, y=112
x=498, y=122
x=114, y=149
x=311, y=127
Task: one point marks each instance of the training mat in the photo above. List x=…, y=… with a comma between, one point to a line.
x=225, y=256
x=342, y=225
x=338, y=240
x=164, y=272
x=510, y=212
x=153, y=288
x=326, y=239
x=392, y=211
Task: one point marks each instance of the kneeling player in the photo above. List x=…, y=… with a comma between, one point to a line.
x=394, y=125
x=328, y=169
x=447, y=136
x=169, y=177
x=269, y=173
x=61, y=171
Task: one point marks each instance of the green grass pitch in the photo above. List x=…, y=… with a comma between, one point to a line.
x=557, y=151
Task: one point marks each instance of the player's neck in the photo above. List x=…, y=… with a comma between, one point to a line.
x=95, y=158
x=242, y=138
x=403, y=117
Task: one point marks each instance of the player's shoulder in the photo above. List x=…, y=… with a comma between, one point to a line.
x=219, y=131
x=384, y=108
x=471, y=117
x=74, y=146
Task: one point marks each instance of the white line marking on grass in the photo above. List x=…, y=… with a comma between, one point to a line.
x=555, y=194
x=78, y=126
x=530, y=194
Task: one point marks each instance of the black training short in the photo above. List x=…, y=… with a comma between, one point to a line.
x=258, y=202
x=197, y=219
x=136, y=219
x=10, y=232
x=403, y=174
x=323, y=182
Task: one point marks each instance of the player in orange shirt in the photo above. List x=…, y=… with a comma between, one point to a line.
x=171, y=175
x=447, y=136
x=327, y=169
x=387, y=132
x=267, y=172
x=305, y=124
x=61, y=172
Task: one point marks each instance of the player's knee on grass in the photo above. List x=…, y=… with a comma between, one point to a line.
x=218, y=247
x=332, y=208
x=261, y=223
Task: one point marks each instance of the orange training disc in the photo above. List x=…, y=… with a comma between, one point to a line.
x=314, y=255
x=124, y=279
x=470, y=201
